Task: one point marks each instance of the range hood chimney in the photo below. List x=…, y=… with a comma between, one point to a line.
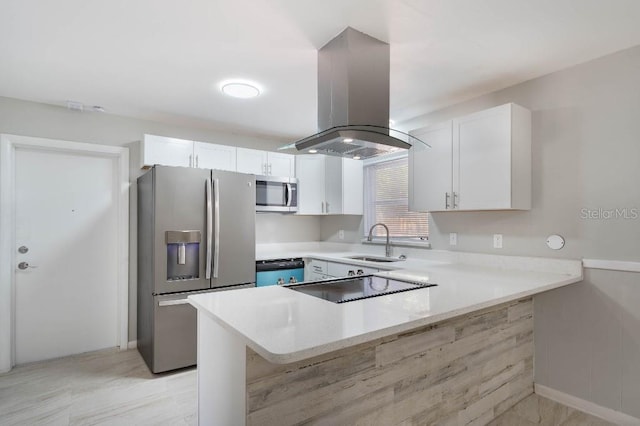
x=353, y=100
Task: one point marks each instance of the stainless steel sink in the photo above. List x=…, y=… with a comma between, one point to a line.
x=375, y=259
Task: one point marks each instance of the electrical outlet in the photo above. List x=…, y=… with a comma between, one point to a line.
x=453, y=238
x=497, y=241
x=341, y=234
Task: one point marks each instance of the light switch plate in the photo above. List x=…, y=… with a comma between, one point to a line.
x=453, y=238
x=497, y=241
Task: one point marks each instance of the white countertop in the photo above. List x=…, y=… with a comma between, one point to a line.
x=285, y=326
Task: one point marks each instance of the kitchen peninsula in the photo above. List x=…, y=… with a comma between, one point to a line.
x=458, y=353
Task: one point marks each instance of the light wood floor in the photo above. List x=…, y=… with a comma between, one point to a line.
x=115, y=388
x=106, y=387
x=536, y=410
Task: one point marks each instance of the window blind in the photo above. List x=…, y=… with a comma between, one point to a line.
x=386, y=200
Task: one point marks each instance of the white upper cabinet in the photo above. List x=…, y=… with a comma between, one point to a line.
x=166, y=151
x=310, y=171
x=212, y=156
x=179, y=152
x=481, y=161
x=430, y=169
x=281, y=164
x=265, y=163
x=352, y=186
x=329, y=185
x=252, y=161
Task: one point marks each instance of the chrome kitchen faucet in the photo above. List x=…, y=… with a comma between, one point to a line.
x=387, y=247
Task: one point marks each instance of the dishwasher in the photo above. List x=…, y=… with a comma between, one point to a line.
x=279, y=272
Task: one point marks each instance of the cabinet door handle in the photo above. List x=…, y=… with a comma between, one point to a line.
x=197, y=160
x=269, y=169
x=446, y=201
x=455, y=197
x=322, y=208
x=190, y=160
x=326, y=203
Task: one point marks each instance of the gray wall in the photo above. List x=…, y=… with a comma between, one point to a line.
x=53, y=122
x=586, y=146
x=587, y=340
x=586, y=155
x=285, y=228
x=351, y=225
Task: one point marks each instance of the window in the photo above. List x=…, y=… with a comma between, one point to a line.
x=386, y=200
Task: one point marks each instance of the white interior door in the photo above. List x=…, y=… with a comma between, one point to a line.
x=66, y=216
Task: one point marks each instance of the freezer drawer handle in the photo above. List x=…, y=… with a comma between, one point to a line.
x=173, y=302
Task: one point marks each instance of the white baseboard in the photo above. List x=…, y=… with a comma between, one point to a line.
x=588, y=407
x=132, y=344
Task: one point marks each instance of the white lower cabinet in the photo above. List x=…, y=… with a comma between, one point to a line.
x=315, y=269
x=481, y=161
x=344, y=270
x=329, y=185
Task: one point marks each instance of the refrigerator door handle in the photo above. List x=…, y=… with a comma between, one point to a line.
x=207, y=273
x=288, y=195
x=173, y=302
x=216, y=220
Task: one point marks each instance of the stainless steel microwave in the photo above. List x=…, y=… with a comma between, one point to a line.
x=276, y=194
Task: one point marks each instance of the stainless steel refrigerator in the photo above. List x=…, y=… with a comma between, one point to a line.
x=196, y=233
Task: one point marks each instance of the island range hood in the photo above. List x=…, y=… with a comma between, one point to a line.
x=353, y=100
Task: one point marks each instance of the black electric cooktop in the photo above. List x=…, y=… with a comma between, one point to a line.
x=350, y=289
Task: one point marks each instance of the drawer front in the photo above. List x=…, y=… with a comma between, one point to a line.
x=316, y=266
x=344, y=270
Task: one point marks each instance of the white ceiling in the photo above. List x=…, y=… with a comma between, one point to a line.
x=163, y=59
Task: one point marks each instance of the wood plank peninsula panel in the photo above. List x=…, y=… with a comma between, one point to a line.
x=466, y=370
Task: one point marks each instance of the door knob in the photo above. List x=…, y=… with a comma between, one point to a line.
x=23, y=249
x=25, y=265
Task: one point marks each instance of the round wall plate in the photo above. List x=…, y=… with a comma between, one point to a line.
x=555, y=242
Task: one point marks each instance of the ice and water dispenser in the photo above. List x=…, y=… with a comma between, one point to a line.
x=183, y=255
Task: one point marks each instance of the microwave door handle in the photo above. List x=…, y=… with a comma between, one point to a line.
x=216, y=221
x=289, y=195
x=207, y=273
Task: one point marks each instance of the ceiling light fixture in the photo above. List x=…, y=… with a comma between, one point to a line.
x=240, y=89
x=347, y=140
x=356, y=157
x=313, y=151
